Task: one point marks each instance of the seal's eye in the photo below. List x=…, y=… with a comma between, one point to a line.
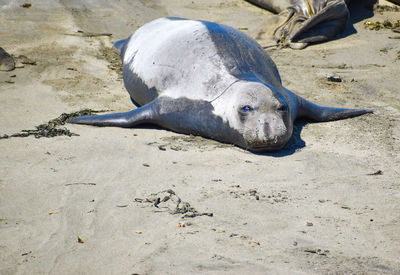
x=282, y=108
x=246, y=109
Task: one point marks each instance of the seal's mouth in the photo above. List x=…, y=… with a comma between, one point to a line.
x=266, y=148
x=272, y=145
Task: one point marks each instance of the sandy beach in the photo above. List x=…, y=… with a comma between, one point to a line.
x=151, y=201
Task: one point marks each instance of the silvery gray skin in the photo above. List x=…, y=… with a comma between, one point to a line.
x=7, y=63
x=307, y=21
x=206, y=79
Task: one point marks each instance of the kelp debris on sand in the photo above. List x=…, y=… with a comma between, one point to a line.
x=174, y=206
x=53, y=127
x=385, y=8
x=387, y=24
x=89, y=34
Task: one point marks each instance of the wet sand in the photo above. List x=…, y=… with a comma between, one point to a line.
x=327, y=204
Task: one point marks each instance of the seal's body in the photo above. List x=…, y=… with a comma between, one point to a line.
x=203, y=78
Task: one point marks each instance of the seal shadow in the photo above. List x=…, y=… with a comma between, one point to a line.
x=294, y=144
x=359, y=10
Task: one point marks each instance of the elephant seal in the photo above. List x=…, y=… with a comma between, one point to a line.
x=304, y=22
x=203, y=78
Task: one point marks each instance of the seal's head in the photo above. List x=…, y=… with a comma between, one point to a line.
x=259, y=113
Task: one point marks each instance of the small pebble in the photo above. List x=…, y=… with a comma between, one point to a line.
x=334, y=78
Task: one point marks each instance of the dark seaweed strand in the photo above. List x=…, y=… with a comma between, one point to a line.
x=52, y=128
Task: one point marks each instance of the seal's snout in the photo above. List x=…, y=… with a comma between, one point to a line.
x=270, y=133
x=274, y=131
x=276, y=141
x=268, y=143
x=267, y=131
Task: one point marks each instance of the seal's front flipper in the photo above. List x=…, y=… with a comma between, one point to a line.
x=144, y=114
x=318, y=113
x=302, y=108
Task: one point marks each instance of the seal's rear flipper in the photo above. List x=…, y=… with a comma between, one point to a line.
x=318, y=113
x=144, y=114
